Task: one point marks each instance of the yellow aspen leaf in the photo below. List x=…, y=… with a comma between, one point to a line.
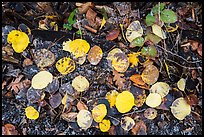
x=19, y=40
x=78, y=47
x=99, y=112
x=127, y=123
x=84, y=119
x=103, y=23
x=153, y=100
x=180, y=108
x=161, y=88
x=65, y=65
x=157, y=30
x=133, y=59
x=150, y=113
x=31, y=113
x=124, y=101
x=112, y=53
x=181, y=84
x=120, y=62
x=80, y=83
x=111, y=97
x=95, y=55
x=104, y=125
x=150, y=74
x=134, y=30
x=41, y=80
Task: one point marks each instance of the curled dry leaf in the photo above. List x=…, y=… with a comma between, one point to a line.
x=137, y=79
x=134, y=30
x=44, y=58
x=118, y=78
x=153, y=100
x=111, y=97
x=81, y=106
x=65, y=65
x=41, y=80
x=55, y=100
x=9, y=129
x=124, y=101
x=161, y=88
x=104, y=125
x=150, y=74
x=31, y=113
x=99, y=112
x=69, y=117
x=95, y=55
x=127, y=123
x=181, y=84
x=112, y=34
x=150, y=113
x=157, y=30
x=180, y=108
x=80, y=83
x=84, y=119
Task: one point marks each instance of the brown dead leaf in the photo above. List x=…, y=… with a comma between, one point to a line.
x=199, y=50
x=83, y=7
x=119, y=81
x=112, y=34
x=9, y=129
x=192, y=99
x=139, y=128
x=81, y=105
x=91, y=15
x=112, y=131
x=27, y=62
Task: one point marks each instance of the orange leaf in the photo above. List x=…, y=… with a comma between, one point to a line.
x=113, y=34
x=9, y=129
x=137, y=79
x=81, y=105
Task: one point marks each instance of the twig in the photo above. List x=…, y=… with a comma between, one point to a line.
x=138, y=111
x=90, y=29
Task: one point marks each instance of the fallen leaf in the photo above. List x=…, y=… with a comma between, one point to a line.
x=53, y=86
x=161, y=88
x=31, y=113
x=139, y=95
x=83, y=7
x=55, y=100
x=120, y=62
x=139, y=128
x=150, y=20
x=150, y=74
x=150, y=113
x=153, y=100
x=112, y=34
x=137, y=79
x=111, y=97
x=192, y=99
x=27, y=62
x=157, y=30
x=134, y=30
x=65, y=65
x=181, y=84
x=137, y=42
x=91, y=15
x=104, y=125
x=154, y=39
x=80, y=83
x=84, y=119
x=102, y=23
x=9, y=129
x=80, y=60
x=118, y=78
x=69, y=117
x=81, y=106
x=99, y=112
x=133, y=59
x=95, y=55
x=34, y=95
x=149, y=51
x=168, y=16
x=127, y=123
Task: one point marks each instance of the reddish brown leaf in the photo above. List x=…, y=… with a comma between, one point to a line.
x=9, y=129
x=137, y=79
x=192, y=99
x=91, y=15
x=112, y=131
x=113, y=34
x=16, y=85
x=119, y=81
x=139, y=128
x=81, y=105
x=199, y=50
x=83, y=7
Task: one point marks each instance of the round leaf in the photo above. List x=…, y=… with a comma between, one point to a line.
x=180, y=108
x=157, y=30
x=153, y=100
x=80, y=83
x=31, y=113
x=181, y=84
x=124, y=101
x=150, y=74
x=84, y=119
x=168, y=16
x=34, y=95
x=120, y=62
x=104, y=125
x=95, y=55
x=134, y=30
x=149, y=51
x=55, y=100
x=127, y=123
x=161, y=88
x=150, y=113
x=65, y=65
x=150, y=20
x=41, y=80
x=139, y=41
x=99, y=112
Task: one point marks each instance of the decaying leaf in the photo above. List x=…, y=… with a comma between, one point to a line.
x=153, y=100
x=53, y=86
x=127, y=123
x=134, y=30
x=137, y=79
x=192, y=99
x=112, y=53
x=133, y=58
x=157, y=30
x=84, y=119
x=95, y=55
x=81, y=106
x=9, y=129
x=65, y=65
x=80, y=60
x=41, y=80
x=44, y=58
x=150, y=74
x=180, y=108
x=152, y=38
x=104, y=125
x=80, y=83
x=69, y=117
x=139, y=95
x=83, y=7
x=99, y=112
x=181, y=84
x=111, y=97
x=119, y=81
x=150, y=113
x=31, y=113
x=139, y=128
x=19, y=40
x=55, y=100
x=91, y=15
x=112, y=34
x=124, y=101
x=161, y=88
x=120, y=62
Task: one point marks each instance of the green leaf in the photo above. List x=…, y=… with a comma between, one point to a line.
x=150, y=20
x=150, y=51
x=70, y=20
x=139, y=41
x=153, y=38
x=168, y=16
x=155, y=9
x=79, y=32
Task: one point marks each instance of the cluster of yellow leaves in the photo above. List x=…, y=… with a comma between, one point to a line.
x=19, y=40
x=31, y=113
x=65, y=65
x=133, y=58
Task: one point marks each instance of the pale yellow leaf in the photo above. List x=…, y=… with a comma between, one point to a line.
x=157, y=30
